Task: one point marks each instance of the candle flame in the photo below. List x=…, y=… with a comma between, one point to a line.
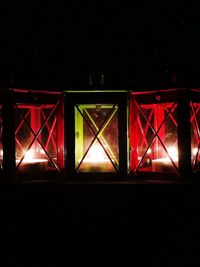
x=30, y=158
x=173, y=152
x=194, y=151
x=29, y=155
x=42, y=152
x=96, y=154
x=149, y=151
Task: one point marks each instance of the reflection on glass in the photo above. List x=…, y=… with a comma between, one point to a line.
x=96, y=138
x=195, y=135
x=36, y=138
x=154, y=143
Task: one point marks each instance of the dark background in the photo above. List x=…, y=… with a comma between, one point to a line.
x=99, y=225
x=57, y=46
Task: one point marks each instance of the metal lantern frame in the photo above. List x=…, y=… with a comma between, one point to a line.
x=186, y=104
x=73, y=109
x=24, y=104
x=113, y=101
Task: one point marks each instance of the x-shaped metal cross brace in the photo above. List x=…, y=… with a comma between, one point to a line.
x=36, y=135
x=98, y=134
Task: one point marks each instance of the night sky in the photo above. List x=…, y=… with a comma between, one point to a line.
x=60, y=44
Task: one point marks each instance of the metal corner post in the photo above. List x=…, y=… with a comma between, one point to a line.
x=184, y=135
x=8, y=136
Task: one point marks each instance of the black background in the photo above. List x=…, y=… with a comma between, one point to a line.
x=99, y=225
x=57, y=45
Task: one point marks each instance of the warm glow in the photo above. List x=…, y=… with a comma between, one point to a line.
x=164, y=160
x=96, y=154
x=194, y=151
x=29, y=155
x=165, y=164
x=42, y=152
x=149, y=151
x=173, y=153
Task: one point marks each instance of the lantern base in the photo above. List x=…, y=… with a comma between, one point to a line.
x=96, y=167
x=34, y=166
x=163, y=165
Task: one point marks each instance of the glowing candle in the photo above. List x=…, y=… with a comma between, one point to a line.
x=32, y=164
x=165, y=164
x=194, y=151
x=96, y=154
x=96, y=160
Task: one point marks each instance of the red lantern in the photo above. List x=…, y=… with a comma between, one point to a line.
x=38, y=132
x=164, y=133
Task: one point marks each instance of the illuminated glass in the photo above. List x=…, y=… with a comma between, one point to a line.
x=38, y=137
x=96, y=138
x=153, y=137
x=195, y=135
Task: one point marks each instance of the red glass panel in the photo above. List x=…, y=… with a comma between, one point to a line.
x=195, y=135
x=153, y=137
x=36, y=136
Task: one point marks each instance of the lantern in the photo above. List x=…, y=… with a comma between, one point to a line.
x=164, y=133
x=96, y=133
x=38, y=133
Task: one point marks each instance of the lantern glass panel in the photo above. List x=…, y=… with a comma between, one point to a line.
x=96, y=138
x=36, y=138
x=154, y=145
x=195, y=135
